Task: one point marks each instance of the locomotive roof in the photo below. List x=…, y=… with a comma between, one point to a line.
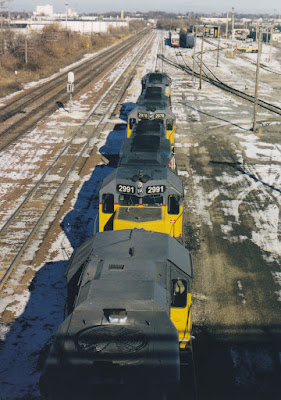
x=148, y=127
x=124, y=274
x=153, y=95
x=130, y=265
x=136, y=151
x=156, y=77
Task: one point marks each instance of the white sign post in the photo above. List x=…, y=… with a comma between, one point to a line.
x=70, y=88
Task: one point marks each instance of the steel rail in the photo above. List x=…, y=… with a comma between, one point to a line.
x=111, y=105
x=224, y=86
x=47, y=107
x=48, y=86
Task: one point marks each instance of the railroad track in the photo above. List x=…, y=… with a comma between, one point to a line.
x=23, y=113
x=245, y=58
x=33, y=218
x=216, y=82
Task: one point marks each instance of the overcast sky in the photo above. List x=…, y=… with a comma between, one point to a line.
x=80, y=6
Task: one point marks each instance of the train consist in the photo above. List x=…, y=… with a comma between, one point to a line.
x=129, y=286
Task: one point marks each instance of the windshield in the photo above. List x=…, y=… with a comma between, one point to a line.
x=128, y=200
x=152, y=201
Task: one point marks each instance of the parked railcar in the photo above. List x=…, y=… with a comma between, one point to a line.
x=187, y=40
x=129, y=297
x=143, y=119
x=157, y=79
x=174, y=37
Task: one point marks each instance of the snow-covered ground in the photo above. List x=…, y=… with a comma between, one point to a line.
x=40, y=309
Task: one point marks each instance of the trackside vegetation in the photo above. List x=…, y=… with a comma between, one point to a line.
x=26, y=58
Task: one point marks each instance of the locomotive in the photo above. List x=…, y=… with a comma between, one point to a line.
x=129, y=301
x=157, y=79
x=143, y=192
x=154, y=104
x=149, y=197
x=143, y=114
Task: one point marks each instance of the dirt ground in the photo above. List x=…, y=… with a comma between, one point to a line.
x=232, y=228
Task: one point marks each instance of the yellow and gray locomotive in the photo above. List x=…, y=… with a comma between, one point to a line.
x=142, y=192
x=157, y=79
x=129, y=298
x=143, y=114
x=154, y=105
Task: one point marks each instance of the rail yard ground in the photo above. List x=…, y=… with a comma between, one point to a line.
x=232, y=180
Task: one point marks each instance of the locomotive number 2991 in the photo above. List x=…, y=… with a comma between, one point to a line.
x=155, y=189
x=125, y=189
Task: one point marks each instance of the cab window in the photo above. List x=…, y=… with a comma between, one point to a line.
x=178, y=293
x=169, y=124
x=132, y=121
x=108, y=203
x=128, y=200
x=173, y=204
x=152, y=201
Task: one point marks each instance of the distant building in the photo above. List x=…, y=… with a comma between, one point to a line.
x=46, y=10
x=82, y=26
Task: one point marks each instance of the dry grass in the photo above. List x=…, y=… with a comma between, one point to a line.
x=47, y=52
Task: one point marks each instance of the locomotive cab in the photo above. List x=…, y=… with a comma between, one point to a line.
x=149, y=199
x=180, y=311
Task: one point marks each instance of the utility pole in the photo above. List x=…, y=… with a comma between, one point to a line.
x=270, y=44
x=2, y=2
x=232, y=30
x=66, y=12
x=25, y=50
x=193, y=66
x=257, y=81
x=9, y=13
x=257, y=32
x=201, y=60
x=218, y=47
x=226, y=31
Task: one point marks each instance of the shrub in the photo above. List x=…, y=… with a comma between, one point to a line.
x=9, y=62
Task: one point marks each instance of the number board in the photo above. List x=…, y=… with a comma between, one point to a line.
x=155, y=189
x=125, y=189
x=143, y=115
x=159, y=115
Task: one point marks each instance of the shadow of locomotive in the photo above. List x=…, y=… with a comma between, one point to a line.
x=25, y=347
x=126, y=108
x=81, y=222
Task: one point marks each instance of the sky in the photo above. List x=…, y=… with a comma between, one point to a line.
x=183, y=6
